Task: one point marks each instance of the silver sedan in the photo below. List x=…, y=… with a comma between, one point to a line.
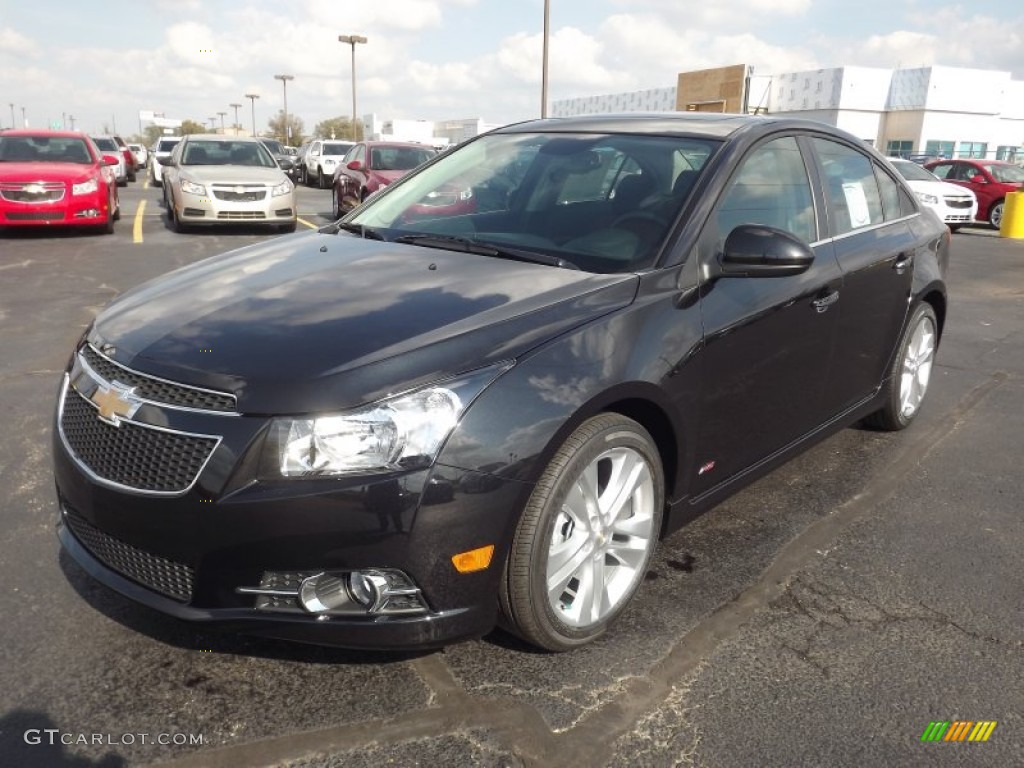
x=210, y=179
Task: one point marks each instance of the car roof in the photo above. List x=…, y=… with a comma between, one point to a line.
x=402, y=144
x=43, y=132
x=220, y=137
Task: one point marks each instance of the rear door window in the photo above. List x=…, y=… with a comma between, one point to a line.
x=854, y=199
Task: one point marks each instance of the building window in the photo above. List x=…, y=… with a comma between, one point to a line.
x=1009, y=154
x=973, y=149
x=941, y=149
x=817, y=88
x=899, y=147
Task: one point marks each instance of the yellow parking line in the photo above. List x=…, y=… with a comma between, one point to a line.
x=309, y=224
x=137, y=229
x=145, y=182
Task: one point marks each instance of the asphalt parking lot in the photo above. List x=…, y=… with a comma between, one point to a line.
x=824, y=616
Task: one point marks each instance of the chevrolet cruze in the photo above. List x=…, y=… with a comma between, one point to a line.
x=421, y=420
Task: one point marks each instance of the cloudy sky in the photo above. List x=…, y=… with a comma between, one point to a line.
x=440, y=59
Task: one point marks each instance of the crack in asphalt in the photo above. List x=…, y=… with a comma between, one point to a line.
x=520, y=728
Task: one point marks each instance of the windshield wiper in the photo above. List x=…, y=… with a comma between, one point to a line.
x=365, y=232
x=469, y=245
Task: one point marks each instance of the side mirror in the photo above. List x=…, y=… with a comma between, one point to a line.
x=754, y=250
x=354, y=165
x=110, y=160
x=165, y=160
x=978, y=179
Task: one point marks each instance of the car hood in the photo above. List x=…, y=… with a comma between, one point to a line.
x=25, y=172
x=938, y=187
x=232, y=174
x=316, y=322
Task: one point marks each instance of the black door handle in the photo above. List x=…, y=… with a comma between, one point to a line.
x=903, y=261
x=824, y=302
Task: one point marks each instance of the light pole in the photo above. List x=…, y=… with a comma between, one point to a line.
x=213, y=121
x=12, y=115
x=235, y=107
x=24, y=120
x=544, y=69
x=353, y=40
x=252, y=99
x=222, y=116
x=71, y=119
x=284, y=82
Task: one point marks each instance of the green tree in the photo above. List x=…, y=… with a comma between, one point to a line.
x=191, y=126
x=298, y=129
x=337, y=128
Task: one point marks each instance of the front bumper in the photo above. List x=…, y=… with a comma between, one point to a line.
x=91, y=209
x=211, y=209
x=187, y=554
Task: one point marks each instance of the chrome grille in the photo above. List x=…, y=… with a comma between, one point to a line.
x=953, y=202
x=158, y=573
x=33, y=192
x=157, y=390
x=241, y=215
x=132, y=455
x=246, y=196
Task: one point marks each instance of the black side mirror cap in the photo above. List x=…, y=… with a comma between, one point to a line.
x=755, y=250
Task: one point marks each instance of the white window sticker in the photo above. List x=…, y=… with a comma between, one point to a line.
x=856, y=204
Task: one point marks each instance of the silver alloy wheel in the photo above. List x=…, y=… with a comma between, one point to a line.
x=917, y=367
x=601, y=538
x=996, y=217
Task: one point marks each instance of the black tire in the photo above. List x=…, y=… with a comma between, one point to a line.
x=108, y=226
x=335, y=205
x=526, y=607
x=287, y=228
x=995, y=214
x=894, y=416
x=321, y=182
x=176, y=224
x=954, y=227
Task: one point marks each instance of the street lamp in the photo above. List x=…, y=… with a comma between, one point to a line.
x=12, y=115
x=222, y=116
x=24, y=122
x=252, y=99
x=71, y=119
x=235, y=107
x=213, y=121
x=284, y=82
x=544, y=67
x=353, y=40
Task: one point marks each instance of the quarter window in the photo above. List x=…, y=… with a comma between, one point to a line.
x=890, y=193
x=770, y=188
x=852, y=190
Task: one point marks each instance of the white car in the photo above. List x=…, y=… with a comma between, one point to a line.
x=108, y=146
x=162, y=148
x=953, y=204
x=141, y=154
x=321, y=161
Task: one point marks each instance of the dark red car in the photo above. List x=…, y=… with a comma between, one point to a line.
x=369, y=167
x=989, y=180
x=56, y=178
x=128, y=155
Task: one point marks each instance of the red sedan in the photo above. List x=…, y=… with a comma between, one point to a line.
x=989, y=180
x=369, y=167
x=56, y=178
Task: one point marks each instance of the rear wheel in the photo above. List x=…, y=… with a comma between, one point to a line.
x=995, y=216
x=586, y=536
x=911, y=372
x=321, y=182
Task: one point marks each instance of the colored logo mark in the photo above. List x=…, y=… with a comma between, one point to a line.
x=959, y=730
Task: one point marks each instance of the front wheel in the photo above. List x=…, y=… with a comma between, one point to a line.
x=586, y=536
x=321, y=182
x=911, y=372
x=335, y=204
x=995, y=216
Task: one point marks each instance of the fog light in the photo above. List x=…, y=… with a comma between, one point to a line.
x=323, y=592
x=368, y=589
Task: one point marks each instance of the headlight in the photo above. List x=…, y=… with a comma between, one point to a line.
x=404, y=432
x=924, y=197
x=85, y=187
x=281, y=189
x=192, y=188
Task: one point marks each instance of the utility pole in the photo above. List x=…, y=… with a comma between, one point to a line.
x=222, y=116
x=353, y=40
x=544, y=69
x=252, y=98
x=287, y=128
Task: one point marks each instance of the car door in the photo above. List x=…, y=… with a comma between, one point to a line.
x=767, y=340
x=869, y=230
x=312, y=158
x=351, y=179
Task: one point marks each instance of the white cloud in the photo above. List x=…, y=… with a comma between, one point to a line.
x=13, y=42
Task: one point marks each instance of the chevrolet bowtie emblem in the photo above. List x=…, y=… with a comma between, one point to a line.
x=115, y=402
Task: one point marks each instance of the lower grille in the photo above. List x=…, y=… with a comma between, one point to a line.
x=131, y=455
x=193, y=212
x=241, y=215
x=36, y=216
x=958, y=203
x=157, y=573
x=249, y=196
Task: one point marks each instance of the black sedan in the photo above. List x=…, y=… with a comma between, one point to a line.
x=491, y=389
x=284, y=159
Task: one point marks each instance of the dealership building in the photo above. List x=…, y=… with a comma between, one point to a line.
x=934, y=111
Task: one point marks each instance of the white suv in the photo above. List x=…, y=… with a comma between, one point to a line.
x=162, y=148
x=321, y=161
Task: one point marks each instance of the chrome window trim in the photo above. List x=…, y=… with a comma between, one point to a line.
x=870, y=227
x=96, y=376
x=120, y=486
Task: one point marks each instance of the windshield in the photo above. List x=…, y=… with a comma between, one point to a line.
x=914, y=172
x=336, y=148
x=1008, y=174
x=250, y=153
x=603, y=202
x=105, y=145
x=273, y=146
x=44, y=149
x=398, y=158
x=166, y=145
